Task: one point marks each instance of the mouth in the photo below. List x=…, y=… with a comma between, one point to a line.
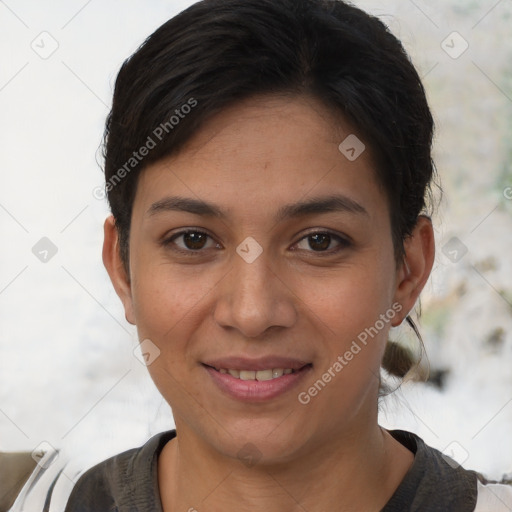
x=245, y=383
x=260, y=375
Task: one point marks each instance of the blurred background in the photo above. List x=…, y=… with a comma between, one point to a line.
x=70, y=370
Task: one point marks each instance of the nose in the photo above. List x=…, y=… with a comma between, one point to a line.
x=253, y=298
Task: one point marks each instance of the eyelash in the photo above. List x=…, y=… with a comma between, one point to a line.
x=344, y=243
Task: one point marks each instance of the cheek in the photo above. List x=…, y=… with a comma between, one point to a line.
x=168, y=301
x=169, y=304
x=353, y=308
x=350, y=300
x=351, y=311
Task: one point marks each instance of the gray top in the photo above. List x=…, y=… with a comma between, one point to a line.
x=128, y=482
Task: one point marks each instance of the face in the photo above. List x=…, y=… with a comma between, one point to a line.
x=262, y=247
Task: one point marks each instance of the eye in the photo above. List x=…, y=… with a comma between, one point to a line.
x=190, y=240
x=322, y=241
x=194, y=241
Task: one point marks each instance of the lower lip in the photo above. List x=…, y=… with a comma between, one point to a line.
x=254, y=390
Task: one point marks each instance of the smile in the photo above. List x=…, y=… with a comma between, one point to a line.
x=256, y=385
x=259, y=375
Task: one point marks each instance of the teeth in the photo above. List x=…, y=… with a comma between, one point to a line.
x=259, y=375
x=264, y=375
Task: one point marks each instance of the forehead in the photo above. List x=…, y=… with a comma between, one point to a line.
x=263, y=153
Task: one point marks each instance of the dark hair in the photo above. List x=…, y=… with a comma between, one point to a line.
x=218, y=52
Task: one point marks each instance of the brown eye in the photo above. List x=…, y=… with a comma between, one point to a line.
x=194, y=241
x=319, y=242
x=190, y=241
x=322, y=242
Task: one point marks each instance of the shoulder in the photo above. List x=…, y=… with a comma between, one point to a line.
x=100, y=486
x=436, y=482
x=493, y=496
x=122, y=480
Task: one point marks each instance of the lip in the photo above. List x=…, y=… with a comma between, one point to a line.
x=253, y=390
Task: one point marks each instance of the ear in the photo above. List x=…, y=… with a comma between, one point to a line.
x=415, y=270
x=115, y=268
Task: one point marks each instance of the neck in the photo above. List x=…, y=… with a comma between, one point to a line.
x=353, y=472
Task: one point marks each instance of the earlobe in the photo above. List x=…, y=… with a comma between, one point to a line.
x=416, y=267
x=115, y=267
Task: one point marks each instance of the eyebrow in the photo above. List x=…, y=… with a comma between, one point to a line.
x=318, y=205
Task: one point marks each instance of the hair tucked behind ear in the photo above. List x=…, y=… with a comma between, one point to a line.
x=400, y=361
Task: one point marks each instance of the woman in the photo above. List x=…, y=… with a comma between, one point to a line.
x=267, y=166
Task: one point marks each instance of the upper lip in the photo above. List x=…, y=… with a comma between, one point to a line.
x=263, y=363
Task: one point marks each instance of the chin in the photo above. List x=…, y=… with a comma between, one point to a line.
x=266, y=441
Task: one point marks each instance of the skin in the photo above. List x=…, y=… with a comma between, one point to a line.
x=295, y=300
